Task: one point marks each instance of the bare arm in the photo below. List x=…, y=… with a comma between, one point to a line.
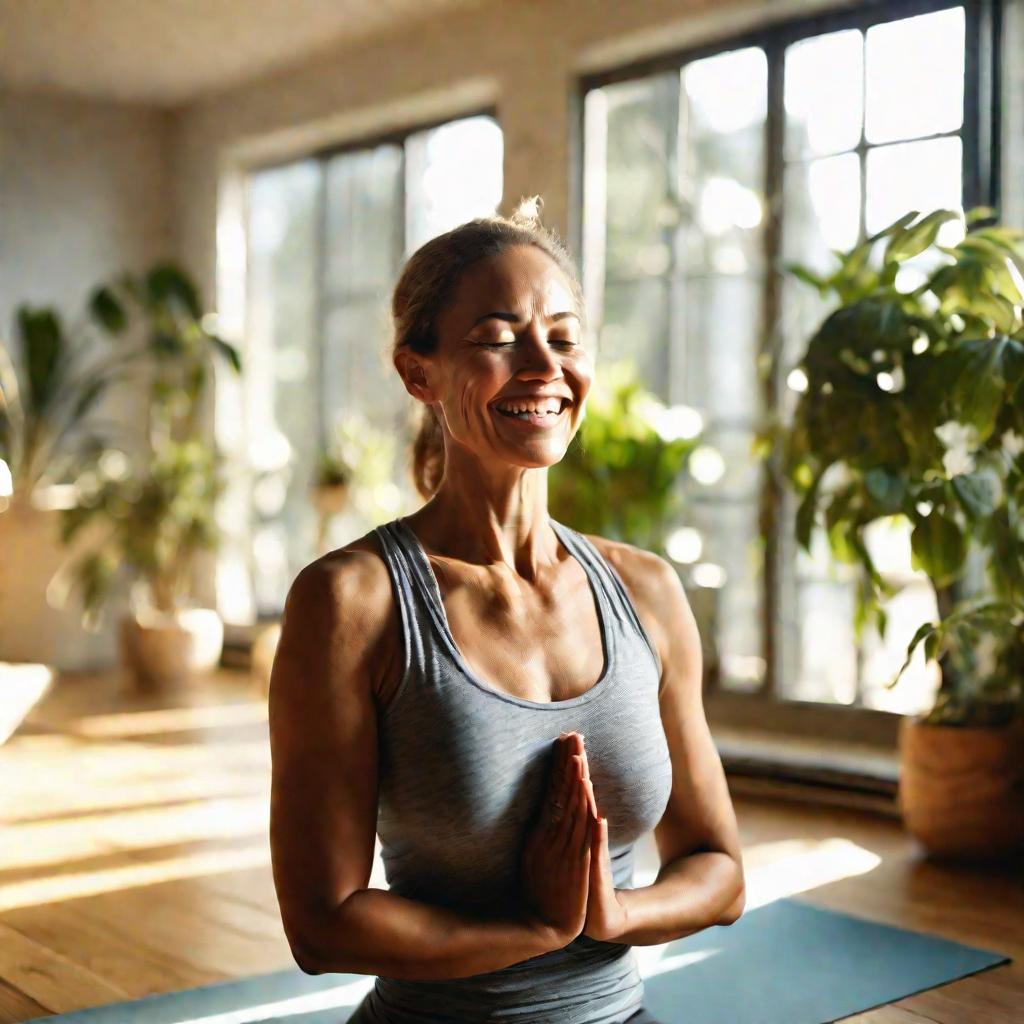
x=701, y=880
x=323, y=812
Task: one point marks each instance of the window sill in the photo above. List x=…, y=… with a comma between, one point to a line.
x=838, y=773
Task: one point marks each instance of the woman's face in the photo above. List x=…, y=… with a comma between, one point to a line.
x=511, y=338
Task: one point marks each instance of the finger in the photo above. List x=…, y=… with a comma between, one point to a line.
x=591, y=798
x=557, y=775
x=557, y=779
x=599, y=849
x=586, y=763
x=563, y=823
x=579, y=842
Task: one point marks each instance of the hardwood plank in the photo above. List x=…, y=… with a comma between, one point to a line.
x=129, y=962
x=15, y=1006
x=51, y=979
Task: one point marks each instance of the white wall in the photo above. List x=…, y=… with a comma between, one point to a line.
x=83, y=195
x=83, y=192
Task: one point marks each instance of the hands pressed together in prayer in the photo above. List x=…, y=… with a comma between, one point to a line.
x=566, y=868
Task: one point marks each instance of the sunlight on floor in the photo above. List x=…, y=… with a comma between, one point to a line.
x=774, y=870
x=140, y=723
x=48, y=845
x=74, y=885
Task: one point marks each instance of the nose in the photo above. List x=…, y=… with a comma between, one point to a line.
x=537, y=360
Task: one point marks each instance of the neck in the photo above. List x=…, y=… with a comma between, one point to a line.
x=485, y=519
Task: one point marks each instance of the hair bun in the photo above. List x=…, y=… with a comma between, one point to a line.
x=527, y=211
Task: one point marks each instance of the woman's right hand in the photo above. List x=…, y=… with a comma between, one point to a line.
x=555, y=875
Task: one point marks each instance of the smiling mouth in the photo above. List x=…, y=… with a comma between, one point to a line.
x=537, y=418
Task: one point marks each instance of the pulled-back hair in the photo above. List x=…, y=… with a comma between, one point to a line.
x=426, y=286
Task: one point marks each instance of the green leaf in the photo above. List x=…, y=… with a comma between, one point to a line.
x=805, y=514
x=807, y=276
x=913, y=241
x=888, y=489
x=896, y=225
x=44, y=347
x=978, y=213
x=979, y=383
x=107, y=310
x=976, y=492
x=939, y=546
x=230, y=353
x=166, y=284
x=923, y=633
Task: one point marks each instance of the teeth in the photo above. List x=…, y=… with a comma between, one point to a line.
x=545, y=409
x=525, y=414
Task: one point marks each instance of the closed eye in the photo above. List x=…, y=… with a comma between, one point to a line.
x=504, y=344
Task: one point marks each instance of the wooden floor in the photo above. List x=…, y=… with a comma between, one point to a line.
x=134, y=860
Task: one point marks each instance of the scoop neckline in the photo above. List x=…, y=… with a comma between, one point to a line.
x=440, y=617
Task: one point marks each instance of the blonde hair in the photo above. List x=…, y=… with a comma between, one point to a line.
x=425, y=287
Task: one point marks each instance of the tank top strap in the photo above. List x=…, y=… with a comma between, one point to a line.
x=613, y=589
x=410, y=596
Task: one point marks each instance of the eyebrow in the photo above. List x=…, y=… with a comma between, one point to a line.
x=513, y=319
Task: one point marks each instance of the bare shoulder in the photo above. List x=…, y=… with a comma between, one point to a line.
x=345, y=598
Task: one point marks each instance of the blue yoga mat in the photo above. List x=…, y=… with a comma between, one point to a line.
x=787, y=962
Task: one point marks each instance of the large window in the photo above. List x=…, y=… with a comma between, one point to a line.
x=703, y=175
x=326, y=236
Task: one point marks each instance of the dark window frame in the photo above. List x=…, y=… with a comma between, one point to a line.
x=763, y=709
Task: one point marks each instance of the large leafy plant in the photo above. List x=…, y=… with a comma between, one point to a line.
x=913, y=406
x=621, y=475
x=50, y=430
x=160, y=510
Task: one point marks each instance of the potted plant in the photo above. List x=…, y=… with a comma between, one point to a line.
x=911, y=404
x=52, y=380
x=355, y=473
x=159, y=512
x=621, y=475
x=329, y=491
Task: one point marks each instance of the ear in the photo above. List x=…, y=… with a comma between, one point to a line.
x=412, y=369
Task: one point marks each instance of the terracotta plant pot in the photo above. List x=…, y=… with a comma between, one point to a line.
x=330, y=499
x=166, y=650
x=961, y=791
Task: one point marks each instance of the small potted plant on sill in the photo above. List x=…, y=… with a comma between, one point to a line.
x=329, y=491
x=159, y=511
x=911, y=404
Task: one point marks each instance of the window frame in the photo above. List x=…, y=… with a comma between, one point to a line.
x=325, y=299
x=763, y=709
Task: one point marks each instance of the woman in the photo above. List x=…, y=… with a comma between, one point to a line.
x=436, y=681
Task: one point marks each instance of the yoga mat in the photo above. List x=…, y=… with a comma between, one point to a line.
x=787, y=962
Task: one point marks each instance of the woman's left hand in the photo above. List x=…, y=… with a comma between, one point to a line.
x=606, y=915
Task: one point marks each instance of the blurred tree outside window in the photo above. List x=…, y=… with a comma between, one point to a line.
x=326, y=237
x=848, y=128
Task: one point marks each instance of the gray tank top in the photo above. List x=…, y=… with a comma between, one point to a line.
x=463, y=769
